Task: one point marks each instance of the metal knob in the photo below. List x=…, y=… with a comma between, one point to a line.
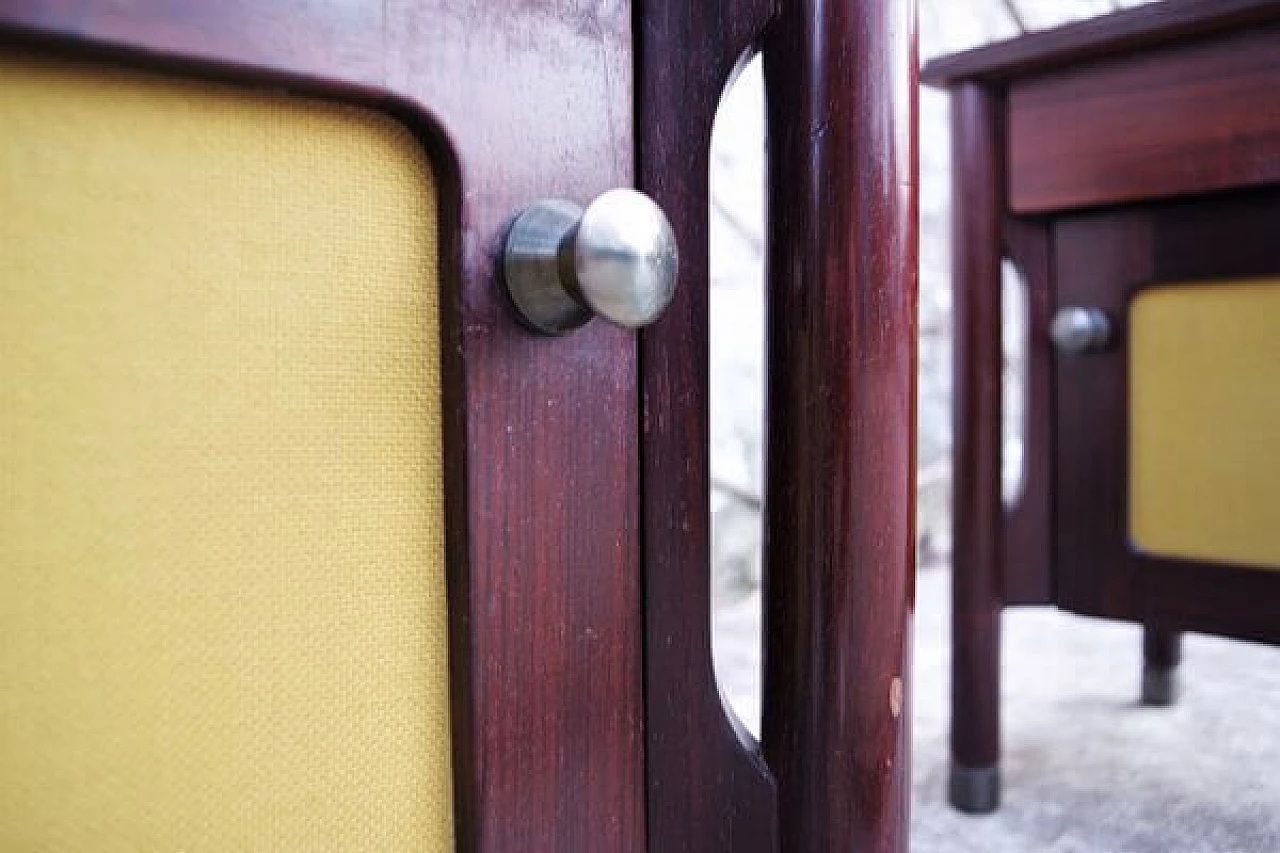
x=1077, y=331
x=562, y=265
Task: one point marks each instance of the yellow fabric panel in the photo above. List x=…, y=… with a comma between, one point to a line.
x=222, y=600
x=1204, y=453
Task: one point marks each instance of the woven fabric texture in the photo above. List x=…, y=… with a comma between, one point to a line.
x=1204, y=459
x=222, y=599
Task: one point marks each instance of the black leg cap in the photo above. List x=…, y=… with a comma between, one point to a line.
x=974, y=790
x=1159, y=686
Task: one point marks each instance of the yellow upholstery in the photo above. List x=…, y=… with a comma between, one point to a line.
x=1204, y=454
x=222, y=602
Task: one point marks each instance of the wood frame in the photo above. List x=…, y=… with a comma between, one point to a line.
x=1121, y=110
x=544, y=605
x=544, y=568
x=1107, y=258
x=1027, y=522
x=709, y=788
x=1121, y=33
x=1053, y=544
x=840, y=551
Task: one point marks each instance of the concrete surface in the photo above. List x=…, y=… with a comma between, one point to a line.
x=1086, y=769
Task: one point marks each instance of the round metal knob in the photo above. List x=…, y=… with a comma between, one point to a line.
x=562, y=265
x=1077, y=331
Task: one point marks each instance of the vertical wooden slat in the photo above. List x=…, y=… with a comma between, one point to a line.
x=708, y=788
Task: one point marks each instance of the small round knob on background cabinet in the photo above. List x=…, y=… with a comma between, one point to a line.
x=562, y=265
x=1078, y=331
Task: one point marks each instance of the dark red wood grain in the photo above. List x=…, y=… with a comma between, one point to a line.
x=708, y=786
x=542, y=463
x=520, y=101
x=1094, y=254
x=977, y=179
x=1191, y=118
x=1026, y=556
x=1105, y=259
x=1122, y=33
x=1174, y=98
x=839, y=504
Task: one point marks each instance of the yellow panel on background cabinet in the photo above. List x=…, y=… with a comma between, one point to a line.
x=222, y=593
x=1204, y=449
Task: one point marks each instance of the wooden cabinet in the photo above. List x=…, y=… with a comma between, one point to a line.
x=1130, y=167
x=306, y=542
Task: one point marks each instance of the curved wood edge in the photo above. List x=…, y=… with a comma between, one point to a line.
x=708, y=788
x=543, y=574
x=1122, y=32
x=840, y=497
x=1026, y=559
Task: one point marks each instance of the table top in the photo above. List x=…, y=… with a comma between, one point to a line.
x=1122, y=32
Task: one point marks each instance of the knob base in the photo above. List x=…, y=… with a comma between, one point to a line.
x=533, y=270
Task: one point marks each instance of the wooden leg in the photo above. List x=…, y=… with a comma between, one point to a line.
x=976, y=588
x=974, y=782
x=840, y=512
x=1161, y=654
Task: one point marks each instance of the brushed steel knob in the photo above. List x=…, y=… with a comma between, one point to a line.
x=1077, y=331
x=562, y=265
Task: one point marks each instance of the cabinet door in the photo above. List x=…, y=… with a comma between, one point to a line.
x=305, y=543
x=1167, y=453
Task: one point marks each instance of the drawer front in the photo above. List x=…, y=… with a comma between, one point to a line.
x=1167, y=437
x=1188, y=119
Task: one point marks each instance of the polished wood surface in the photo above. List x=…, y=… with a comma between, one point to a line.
x=543, y=471
x=1131, y=140
x=1105, y=259
x=708, y=786
x=1228, y=601
x=1122, y=33
x=839, y=505
x=1094, y=253
x=977, y=177
x=541, y=440
x=1188, y=119
x=1026, y=559
x=841, y=421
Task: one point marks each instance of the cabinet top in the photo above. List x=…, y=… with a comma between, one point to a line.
x=1123, y=32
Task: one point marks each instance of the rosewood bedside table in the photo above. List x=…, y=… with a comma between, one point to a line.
x=1129, y=167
